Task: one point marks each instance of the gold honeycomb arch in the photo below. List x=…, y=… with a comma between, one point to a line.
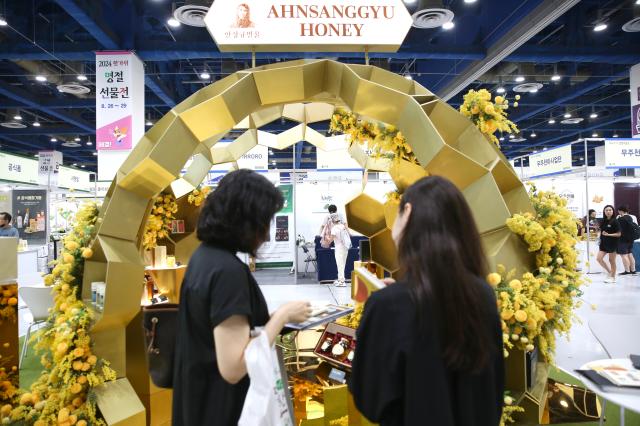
x=444, y=142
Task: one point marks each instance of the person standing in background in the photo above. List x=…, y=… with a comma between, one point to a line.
x=6, y=230
x=592, y=221
x=342, y=243
x=625, y=242
x=609, y=235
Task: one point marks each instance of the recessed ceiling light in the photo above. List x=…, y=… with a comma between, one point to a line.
x=36, y=124
x=555, y=77
x=54, y=140
x=149, y=123
x=501, y=138
x=81, y=77
x=520, y=79
x=173, y=22
x=594, y=115
x=552, y=121
x=408, y=77
x=533, y=134
x=448, y=25
x=594, y=135
x=75, y=164
x=17, y=117
x=205, y=75
x=41, y=78
x=600, y=27
x=567, y=115
x=512, y=137
x=581, y=158
x=3, y=22
x=500, y=89
x=83, y=166
x=89, y=143
x=77, y=139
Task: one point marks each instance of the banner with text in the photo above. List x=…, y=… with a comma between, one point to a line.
x=279, y=249
x=49, y=163
x=30, y=214
x=622, y=153
x=634, y=92
x=328, y=26
x=18, y=169
x=551, y=161
x=119, y=108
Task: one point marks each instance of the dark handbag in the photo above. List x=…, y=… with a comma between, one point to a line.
x=160, y=323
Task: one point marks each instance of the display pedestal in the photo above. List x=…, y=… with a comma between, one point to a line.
x=529, y=391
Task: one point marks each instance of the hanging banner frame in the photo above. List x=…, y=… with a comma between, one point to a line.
x=553, y=161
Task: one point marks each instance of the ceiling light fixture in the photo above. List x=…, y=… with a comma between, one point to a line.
x=54, y=140
x=567, y=115
x=594, y=135
x=205, y=75
x=520, y=79
x=594, y=115
x=500, y=89
x=473, y=1
x=3, y=22
x=552, y=121
x=173, y=22
x=75, y=164
x=448, y=25
x=81, y=77
x=533, y=134
x=409, y=1
x=555, y=77
x=501, y=138
x=615, y=135
x=89, y=143
x=17, y=117
x=149, y=123
x=408, y=77
x=534, y=90
x=83, y=166
x=512, y=137
x=600, y=27
x=95, y=154
x=41, y=78
x=36, y=124
x=77, y=139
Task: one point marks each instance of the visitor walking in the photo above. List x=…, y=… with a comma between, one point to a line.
x=220, y=302
x=342, y=243
x=430, y=346
x=609, y=235
x=628, y=234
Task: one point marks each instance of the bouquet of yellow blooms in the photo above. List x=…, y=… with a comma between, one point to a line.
x=198, y=195
x=488, y=116
x=63, y=395
x=383, y=140
x=158, y=224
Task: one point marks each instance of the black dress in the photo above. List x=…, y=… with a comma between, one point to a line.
x=399, y=377
x=609, y=244
x=216, y=286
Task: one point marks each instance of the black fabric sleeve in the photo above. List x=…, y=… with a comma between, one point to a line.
x=615, y=226
x=377, y=375
x=499, y=368
x=229, y=294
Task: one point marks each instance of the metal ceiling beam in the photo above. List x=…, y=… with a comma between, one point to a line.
x=29, y=100
x=107, y=41
x=35, y=147
x=156, y=86
x=552, y=54
x=569, y=134
x=532, y=24
x=573, y=93
x=53, y=131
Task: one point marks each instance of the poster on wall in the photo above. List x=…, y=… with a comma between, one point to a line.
x=279, y=249
x=634, y=93
x=119, y=108
x=30, y=214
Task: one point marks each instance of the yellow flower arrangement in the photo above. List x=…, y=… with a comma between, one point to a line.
x=353, y=319
x=158, y=224
x=508, y=410
x=8, y=303
x=383, y=140
x=394, y=196
x=303, y=389
x=342, y=421
x=488, y=116
x=63, y=395
x=198, y=195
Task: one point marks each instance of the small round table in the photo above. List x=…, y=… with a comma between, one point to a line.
x=626, y=400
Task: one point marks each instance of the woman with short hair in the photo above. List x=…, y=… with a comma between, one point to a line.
x=220, y=302
x=430, y=346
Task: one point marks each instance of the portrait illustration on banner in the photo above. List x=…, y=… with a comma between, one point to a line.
x=242, y=18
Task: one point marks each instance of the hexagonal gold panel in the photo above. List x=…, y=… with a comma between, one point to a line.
x=405, y=174
x=383, y=250
x=365, y=215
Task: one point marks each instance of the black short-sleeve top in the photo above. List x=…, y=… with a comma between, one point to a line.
x=611, y=227
x=216, y=286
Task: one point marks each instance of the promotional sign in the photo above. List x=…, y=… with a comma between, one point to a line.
x=18, y=169
x=551, y=161
x=49, y=163
x=634, y=92
x=119, y=108
x=622, y=153
x=326, y=26
x=30, y=214
x=74, y=179
x=279, y=249
x=257, y=158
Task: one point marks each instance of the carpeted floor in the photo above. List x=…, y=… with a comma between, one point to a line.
x=30, y=368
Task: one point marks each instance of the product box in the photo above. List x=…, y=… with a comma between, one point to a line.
x=337, y=345
x=160, y=257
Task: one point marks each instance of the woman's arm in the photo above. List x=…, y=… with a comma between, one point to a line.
x=232, y=336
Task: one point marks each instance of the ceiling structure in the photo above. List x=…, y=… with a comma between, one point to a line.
x=492, y=43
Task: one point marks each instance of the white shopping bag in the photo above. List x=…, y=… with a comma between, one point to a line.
x=266, y=402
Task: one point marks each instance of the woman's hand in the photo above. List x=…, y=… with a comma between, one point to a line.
x=389, y=281
x=295, y=311
x=605, y=233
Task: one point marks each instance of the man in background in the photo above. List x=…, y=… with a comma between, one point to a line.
x=6, y=230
